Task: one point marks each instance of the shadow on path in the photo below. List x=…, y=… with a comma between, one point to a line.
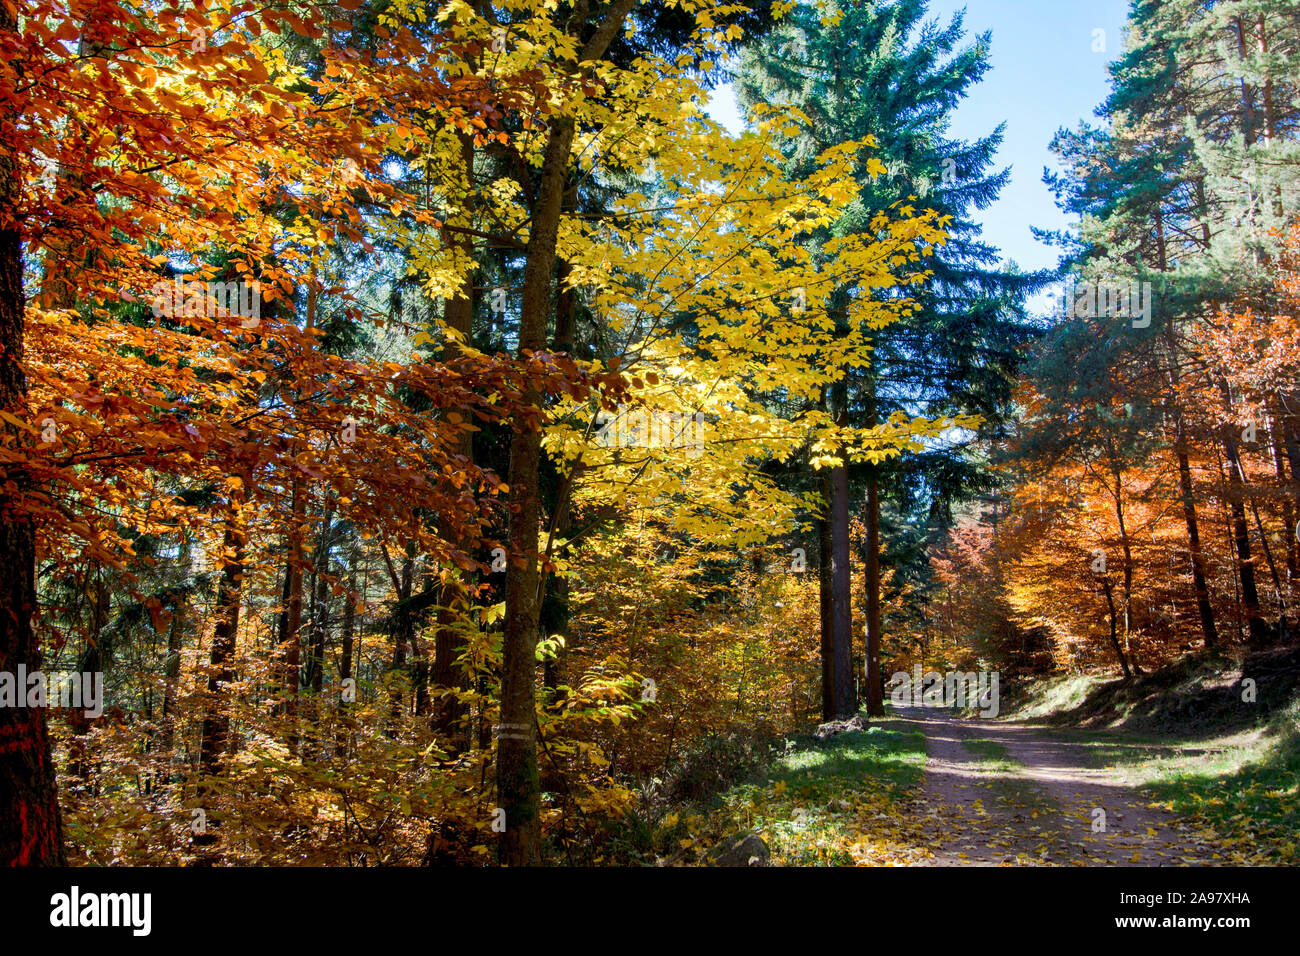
x=1009, y=793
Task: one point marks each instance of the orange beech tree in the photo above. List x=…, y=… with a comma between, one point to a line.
x=154, y=162
x=1089, y=540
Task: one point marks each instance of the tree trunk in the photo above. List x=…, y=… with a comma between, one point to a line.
x=1248, y=495
x=1127, y=547
x=1199, y=584
x=518, y=784
x=1186, y=489
x=290, y=638
x=1289, y=513
x=172, y=672
x=1255, y=622
x=1114, y=638
x=827, y=602
x=30, y=827
x=1270, y=106
x=314, y=676
x=1248, y=110
x=872, y=644
x=216, y=718
x=458, y=313
x=345, y=656
x=403, y=631
x=319, y=626
x=846, y=703
x=554, y=612
x=875, y=687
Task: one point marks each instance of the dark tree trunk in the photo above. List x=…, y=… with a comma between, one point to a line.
x=172, y=672
x=1290, y=429
x=319, y=628
x=449, y=713
x=1186, y=489
x=30, y=827
x=291, y=636
x=403, y=631
x=345, y=655
x=315, y=673
x=1114, y=637
x=875, y=691
x=1289, y=514
x=554, y=612
x=846, y=703
x=216, y=719
x=827, y=602
x=1257, y=626
x=1199, y=584
x=1127, y=547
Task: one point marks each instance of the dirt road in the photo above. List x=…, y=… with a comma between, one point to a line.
x=1006, y=793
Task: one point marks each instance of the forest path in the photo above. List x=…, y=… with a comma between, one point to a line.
x=1001, y=792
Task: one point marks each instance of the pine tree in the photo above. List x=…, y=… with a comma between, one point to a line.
x=882, y=70
x=1172, y=189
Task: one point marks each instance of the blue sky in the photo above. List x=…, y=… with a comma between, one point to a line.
x=1044, y=75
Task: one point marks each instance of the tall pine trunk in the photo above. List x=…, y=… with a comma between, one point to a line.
x=846, y=698
x=827, y=602
x=1196, y=556
x=875, y=691
x=1289, y=514
x=1127, y=546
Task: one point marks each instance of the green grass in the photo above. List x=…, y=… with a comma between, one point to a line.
x=1054, y=696
x=1249, y=795
x=812, y=799
x=891, y=756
